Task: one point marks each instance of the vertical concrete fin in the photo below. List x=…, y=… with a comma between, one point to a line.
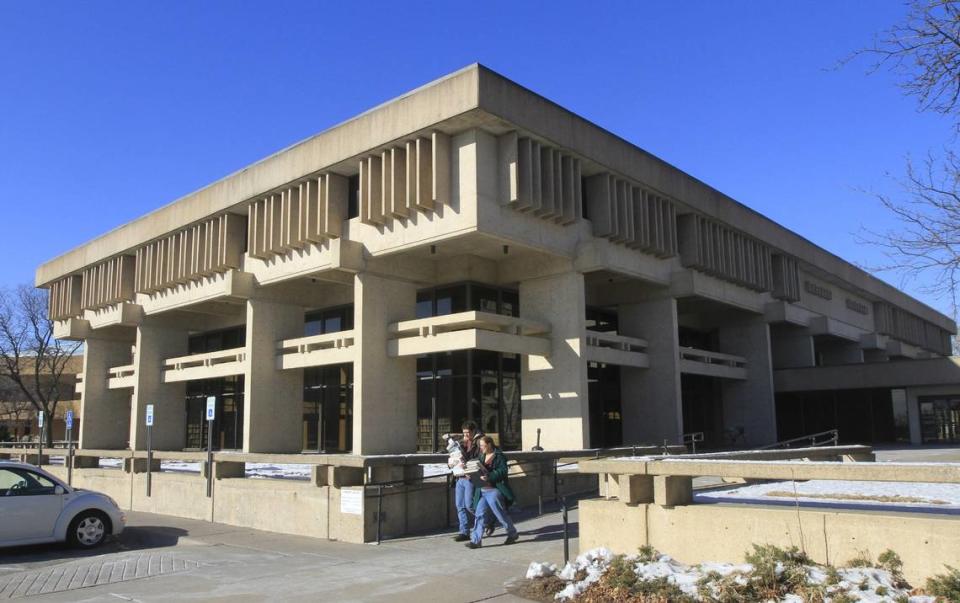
x=335, y=197
x=398, y=182
x=424, y=178
x=599, y=203
x=441, y=180
x=508, y=173
x=411, y=182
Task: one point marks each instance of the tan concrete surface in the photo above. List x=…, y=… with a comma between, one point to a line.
x=240, y=564
x=695, y=533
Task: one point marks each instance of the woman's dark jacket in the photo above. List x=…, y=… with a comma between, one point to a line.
x=496, y=477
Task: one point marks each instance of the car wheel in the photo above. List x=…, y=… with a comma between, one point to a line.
x=88, y=529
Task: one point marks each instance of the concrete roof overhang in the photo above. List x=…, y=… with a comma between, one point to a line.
x=473, y=97
x=913, y=373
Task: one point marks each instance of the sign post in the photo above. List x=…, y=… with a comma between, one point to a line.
x=149, y=418
x=40, y=441
x=69, y=421
x=211, y=414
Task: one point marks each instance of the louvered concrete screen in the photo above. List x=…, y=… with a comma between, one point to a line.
x=305, y=212
x=402, y=180
x=206, y=248
x=891, y=320
x=108, y=282
x=63, y=299
x=540, y=179
x=786, y=278
x=712, y=248
x=629, y=214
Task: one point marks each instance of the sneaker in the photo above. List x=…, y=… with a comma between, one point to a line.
x=473, y=545
x=461, y=537
x=488, y=530
x=511, y=539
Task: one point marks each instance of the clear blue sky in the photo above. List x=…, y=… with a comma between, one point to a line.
x=111, y=109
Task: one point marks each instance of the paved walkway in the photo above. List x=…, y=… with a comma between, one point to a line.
x=161, y=558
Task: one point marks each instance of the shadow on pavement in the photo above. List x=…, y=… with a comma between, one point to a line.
x=135, y=538
x=551, y=532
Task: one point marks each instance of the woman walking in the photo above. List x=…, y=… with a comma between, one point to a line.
x=494, y=494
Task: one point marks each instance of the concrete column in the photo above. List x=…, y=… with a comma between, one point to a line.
x=750, y=403
x=554, y=390
x=652, y=408
x=838, y=352
x=384, y=388
x=156, y=343
x=273, y=398
x=105, y=413
x=913, y=413
x=792, y=347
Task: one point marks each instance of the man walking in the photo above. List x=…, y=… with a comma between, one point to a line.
x=464, y=487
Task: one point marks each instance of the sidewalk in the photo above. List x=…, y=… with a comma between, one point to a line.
x=161, y=558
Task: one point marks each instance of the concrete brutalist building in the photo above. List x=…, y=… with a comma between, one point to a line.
x=471, y=250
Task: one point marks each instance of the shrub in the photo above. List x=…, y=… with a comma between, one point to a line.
x=861, y=560
x=648, y=554
x=945, y=585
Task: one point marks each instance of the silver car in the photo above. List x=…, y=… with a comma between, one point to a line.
x=37, y=507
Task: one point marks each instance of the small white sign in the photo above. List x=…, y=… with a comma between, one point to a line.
x=40, y=419
x=351, y=501
x=149, y=415
x=211, y=407
x=69, y=419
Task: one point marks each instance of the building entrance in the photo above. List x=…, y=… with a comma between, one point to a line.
x=328, y=408
x=940, y=419
x=606, y=422
x=228, y=423
x=703, y=411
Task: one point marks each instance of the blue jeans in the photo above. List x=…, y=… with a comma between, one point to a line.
x=491, y=501
x=464, y=500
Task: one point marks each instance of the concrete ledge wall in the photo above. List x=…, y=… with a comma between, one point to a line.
x=177, y=494
x=112, y=482
x=274, y=505
x=695, y=533
x=303, y=508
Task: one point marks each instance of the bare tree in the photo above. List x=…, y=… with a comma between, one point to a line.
x=30, y=356
x=924, y=53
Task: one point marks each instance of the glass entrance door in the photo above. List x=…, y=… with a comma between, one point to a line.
x=328, y=409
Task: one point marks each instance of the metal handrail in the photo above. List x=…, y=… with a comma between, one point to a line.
x=822, y=438
x=692, y=439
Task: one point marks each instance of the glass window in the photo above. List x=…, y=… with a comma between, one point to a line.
x=328, y=408
x=425, y=303
x=509, y=303
x=228, y=421
x=23, y=482
x=484, y=299
x=451, y=300
x=329, y=320
x=214, y=341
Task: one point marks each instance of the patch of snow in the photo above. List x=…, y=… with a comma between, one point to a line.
x=540, y=570
x=435, y=469
x=278, y=471
x=860, y=583
x=943, y=497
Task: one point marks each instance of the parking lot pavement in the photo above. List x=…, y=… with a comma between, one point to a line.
x=917, y=454
x=161, y=558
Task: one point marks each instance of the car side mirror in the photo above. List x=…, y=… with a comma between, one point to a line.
x=58, y=490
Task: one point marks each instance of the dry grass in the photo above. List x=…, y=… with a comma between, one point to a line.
x=871, y=497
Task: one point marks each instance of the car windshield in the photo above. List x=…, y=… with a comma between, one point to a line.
x=15, y=481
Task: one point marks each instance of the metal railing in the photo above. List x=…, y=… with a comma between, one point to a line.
x=822, y=438
x=692, y=439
